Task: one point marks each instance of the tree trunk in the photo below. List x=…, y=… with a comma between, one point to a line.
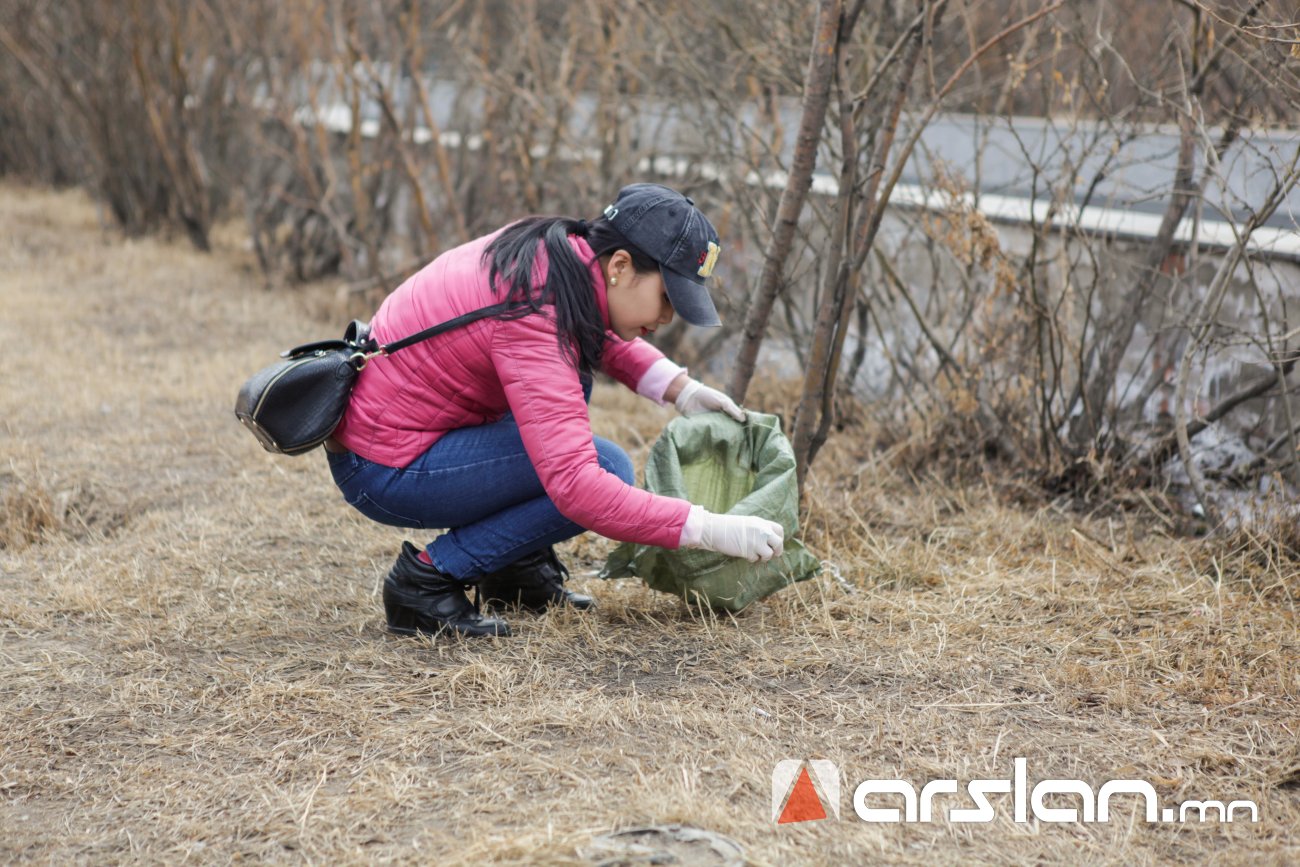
x=816, y=98
x=818, y=384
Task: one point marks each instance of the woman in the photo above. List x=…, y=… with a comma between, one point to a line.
x=484, y=429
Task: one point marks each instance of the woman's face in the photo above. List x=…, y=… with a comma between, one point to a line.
x=638, y=301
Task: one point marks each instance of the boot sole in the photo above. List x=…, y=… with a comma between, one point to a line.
x=404, y=621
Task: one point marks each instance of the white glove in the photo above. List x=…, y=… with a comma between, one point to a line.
x=743, y=536
x=696, y=397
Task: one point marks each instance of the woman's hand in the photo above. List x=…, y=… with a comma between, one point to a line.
x=745, y=536
x=696, y=397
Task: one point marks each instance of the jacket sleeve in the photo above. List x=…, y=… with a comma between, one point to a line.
x=628, y=360
x=545, y=395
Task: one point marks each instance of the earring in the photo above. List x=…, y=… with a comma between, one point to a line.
x=613, y=281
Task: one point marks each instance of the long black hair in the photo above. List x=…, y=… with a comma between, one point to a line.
x=511, y=257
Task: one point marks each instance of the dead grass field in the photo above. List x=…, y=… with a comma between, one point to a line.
x=192, y=665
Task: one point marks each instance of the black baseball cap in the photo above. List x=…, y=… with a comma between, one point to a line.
x=667, y=227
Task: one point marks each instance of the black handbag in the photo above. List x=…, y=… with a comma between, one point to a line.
x=294, y=405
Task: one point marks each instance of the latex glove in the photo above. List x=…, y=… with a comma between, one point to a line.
x=696, y=397
x=743, y=536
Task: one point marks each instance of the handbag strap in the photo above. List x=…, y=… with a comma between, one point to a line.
x=371, y=348
x=449, y=325
x=364, y=347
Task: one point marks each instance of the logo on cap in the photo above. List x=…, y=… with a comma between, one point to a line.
x=708, y=259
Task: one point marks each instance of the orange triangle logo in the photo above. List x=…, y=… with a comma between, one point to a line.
x=803, y=805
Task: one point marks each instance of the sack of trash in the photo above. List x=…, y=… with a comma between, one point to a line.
x=728, y=467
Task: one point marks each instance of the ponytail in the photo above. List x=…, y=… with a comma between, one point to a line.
x=512, y=257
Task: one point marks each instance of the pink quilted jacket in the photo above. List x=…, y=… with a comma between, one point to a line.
x=404, y=403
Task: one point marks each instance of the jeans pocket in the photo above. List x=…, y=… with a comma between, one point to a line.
x=362, y=503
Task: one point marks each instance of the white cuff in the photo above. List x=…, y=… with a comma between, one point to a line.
x=655, y=381
x=693, y=529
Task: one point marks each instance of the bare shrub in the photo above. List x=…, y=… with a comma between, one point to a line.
x=1036, y=345
x=140, y=100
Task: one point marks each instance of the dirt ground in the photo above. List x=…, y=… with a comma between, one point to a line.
x=193, y=666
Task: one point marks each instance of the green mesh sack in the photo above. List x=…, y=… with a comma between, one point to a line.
x=728, y=468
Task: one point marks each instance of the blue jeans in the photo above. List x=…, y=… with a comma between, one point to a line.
x=480, y=483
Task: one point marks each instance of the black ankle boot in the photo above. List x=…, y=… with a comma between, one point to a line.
x=419, y=599
x=534, y=582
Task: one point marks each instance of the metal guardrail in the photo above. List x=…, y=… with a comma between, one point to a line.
x=1266, y=241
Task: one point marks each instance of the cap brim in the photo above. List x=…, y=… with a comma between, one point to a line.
x=690, y=299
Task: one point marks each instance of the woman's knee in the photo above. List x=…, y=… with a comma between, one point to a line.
x=614, y=460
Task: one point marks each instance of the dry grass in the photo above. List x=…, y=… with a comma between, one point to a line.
x=193, y=664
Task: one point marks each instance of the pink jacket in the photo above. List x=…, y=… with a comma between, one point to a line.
x=404, y=403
